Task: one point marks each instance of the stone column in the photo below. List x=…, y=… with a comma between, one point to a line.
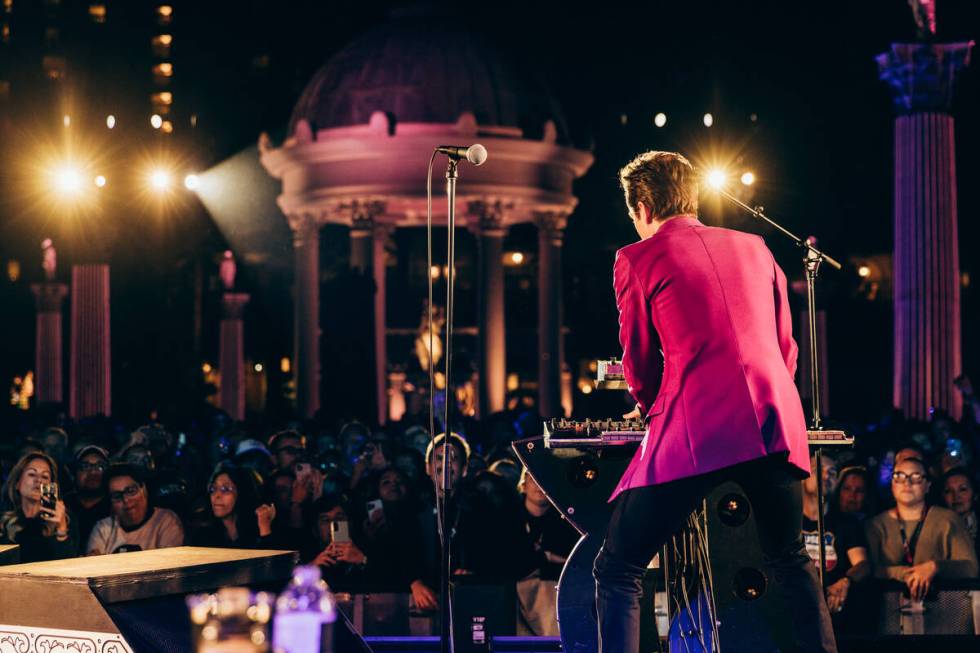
x=380, y=270
x=49, y=297
x=367, y=256
x=927, y=349
x=90, y=368
x=488, y=226
x=232, y=354
x=306, y=311
x=551, y=228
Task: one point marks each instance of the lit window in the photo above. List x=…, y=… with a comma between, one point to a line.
x=54, y=67
x=165, y=69
x=161, y=45
x=165, y=14
x=97, y=12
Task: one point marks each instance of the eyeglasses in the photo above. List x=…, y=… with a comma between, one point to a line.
x=221, y=489
x=128, y=493
x=92, y=467
x=915, y=478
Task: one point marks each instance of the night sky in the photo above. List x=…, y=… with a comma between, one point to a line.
x=820, y=147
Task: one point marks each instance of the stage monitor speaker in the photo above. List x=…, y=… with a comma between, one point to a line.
x=751, y=615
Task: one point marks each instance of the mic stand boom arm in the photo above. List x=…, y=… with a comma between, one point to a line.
x=812, y=259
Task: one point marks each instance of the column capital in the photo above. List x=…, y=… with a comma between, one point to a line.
x=304, y=225
x=233, y=305
x=551, y=224
x=922, y=75
x=49, y=296
x=363, y=214
x=486, y=217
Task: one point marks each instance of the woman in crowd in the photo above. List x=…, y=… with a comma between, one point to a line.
x=238, y=518
x=916, y=543
x=854, y=495
x=960, y=497
x=44, y=532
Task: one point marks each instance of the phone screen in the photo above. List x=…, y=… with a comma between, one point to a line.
x=49, y=495
x=339, y=531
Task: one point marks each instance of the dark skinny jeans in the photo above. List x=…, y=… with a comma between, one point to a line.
x=645, y=518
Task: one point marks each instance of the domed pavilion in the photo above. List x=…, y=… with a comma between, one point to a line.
x=356, y=154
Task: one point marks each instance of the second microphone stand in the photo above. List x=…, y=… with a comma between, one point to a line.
x=812, y=259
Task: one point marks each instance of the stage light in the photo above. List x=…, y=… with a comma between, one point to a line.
x=660, y=119
x=192, y=182
x=708, y=120
x=100, y=181
x=156, y=121
x=167, y=127
x=748, y=178
x=110, y=121
x=68, y=180
x=284, y=365
x=864, y=271
x=206, y=368
x=716, y=179
x=160, y=180
x=517, y=258
x=435, y=271
x=258, y=367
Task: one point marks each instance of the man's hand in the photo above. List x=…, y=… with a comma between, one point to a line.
x=634, y=414
x=425, y=598
x=346, y=552
x=919, y=577
x=837, y=594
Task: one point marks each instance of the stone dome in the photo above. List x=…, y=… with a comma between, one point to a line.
x=426, y=69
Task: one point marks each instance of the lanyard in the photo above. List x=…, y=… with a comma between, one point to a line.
x=909, y=544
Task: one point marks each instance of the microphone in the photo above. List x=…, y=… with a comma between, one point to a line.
x=475, y=154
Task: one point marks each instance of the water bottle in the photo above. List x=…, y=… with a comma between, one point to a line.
x=305, y=613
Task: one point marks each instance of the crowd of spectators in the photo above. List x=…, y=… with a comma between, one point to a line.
x=361, y=502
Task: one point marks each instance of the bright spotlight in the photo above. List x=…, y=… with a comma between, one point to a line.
x=258, y=367
x=68, y=180
x=160, y=180
x=864, y=271
x=66, y=120
x=192, y=182
x=716, y=179
x=708, y=120
x=156, y=121
x=517, y=258
x=660, y=119
x=748, y=178
x=100, y=181
x=110, y=121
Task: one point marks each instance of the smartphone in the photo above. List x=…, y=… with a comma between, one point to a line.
x=373, y=508
x=49, y=496
x=339, y=531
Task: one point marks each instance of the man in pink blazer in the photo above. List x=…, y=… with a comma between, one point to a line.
x=709, y=356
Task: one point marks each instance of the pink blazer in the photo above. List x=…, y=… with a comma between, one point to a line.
x=708, y=352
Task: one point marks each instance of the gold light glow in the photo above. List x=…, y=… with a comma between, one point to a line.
x=748, y=178
x=716, y=178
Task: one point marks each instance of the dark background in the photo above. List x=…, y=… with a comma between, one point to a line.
x=820, y=147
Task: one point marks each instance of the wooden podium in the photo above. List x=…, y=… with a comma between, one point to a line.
x=122, y=603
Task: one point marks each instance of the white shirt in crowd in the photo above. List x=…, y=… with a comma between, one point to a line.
x=163, y=529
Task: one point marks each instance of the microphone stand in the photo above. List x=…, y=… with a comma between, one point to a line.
x=812, y=260
x=445, y=576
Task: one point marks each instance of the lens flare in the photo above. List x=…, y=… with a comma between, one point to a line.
x=716, y=179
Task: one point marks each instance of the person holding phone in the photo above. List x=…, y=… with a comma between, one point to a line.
x=39, y=521
x=239, y=519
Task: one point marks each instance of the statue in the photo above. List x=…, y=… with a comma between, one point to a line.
x=924, y=12
x=227, y=270
x=49, y=259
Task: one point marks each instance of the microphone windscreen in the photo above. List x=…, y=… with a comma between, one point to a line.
x=476, y=154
